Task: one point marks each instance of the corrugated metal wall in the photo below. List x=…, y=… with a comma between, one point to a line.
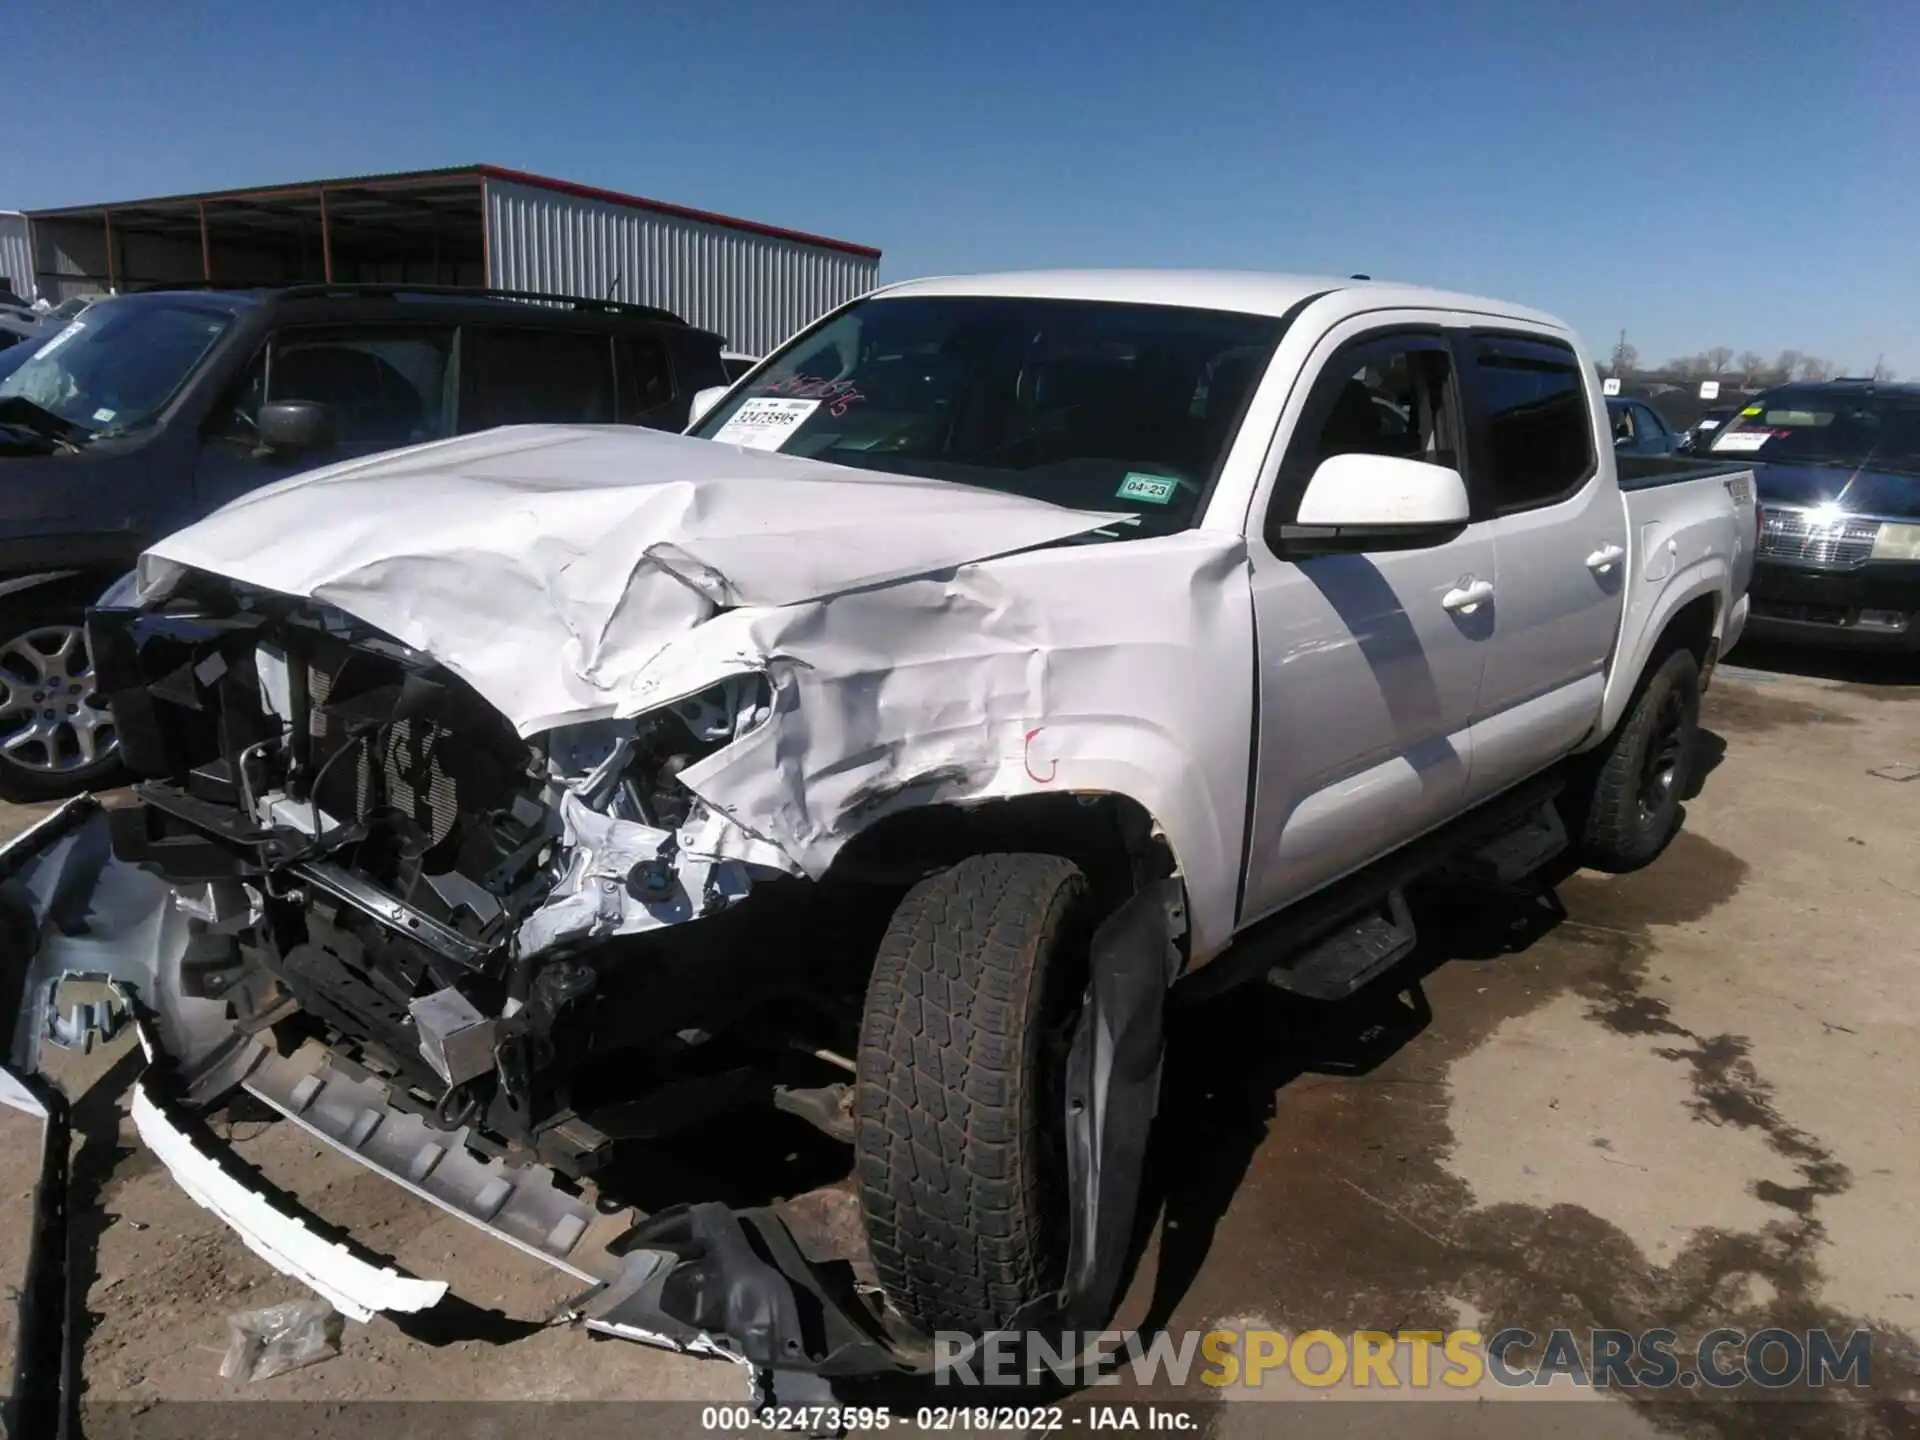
x=754, y=289
x=16, y=254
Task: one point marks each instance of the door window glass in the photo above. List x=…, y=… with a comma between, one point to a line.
x=538, y=377
x=1393, y=402
x=645, y=378
x=385, y=387
x=1539, y=439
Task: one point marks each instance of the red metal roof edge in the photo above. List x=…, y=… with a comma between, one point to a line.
x=685, y=212
x=482, y=172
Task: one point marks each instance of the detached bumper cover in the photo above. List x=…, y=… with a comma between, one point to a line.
x=356, y=1288
x=704, y=1278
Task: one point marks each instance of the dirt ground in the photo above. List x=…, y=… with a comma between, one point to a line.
x=1691, y=1099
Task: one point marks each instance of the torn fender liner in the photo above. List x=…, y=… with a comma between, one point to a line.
x=356, y=1288
x=739, y=1274
x=1113, y=1084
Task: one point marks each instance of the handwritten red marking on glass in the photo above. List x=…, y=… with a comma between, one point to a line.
x=837, y=394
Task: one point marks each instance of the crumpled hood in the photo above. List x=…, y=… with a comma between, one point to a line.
x=546, y=564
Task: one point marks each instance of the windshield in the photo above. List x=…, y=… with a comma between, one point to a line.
x=1856, y=429
x=1094, y=405
x=114, y=368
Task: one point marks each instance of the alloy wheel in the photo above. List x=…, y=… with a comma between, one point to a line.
x=52, y=720
x=1666, y=750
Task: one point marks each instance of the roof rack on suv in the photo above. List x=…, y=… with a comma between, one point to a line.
x=478, y=292
x=310, y=290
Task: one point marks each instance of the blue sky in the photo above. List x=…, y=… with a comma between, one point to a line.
x=1737, y=174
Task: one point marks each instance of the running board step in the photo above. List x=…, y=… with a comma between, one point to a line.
x=1336, y=966
x=1515, y=854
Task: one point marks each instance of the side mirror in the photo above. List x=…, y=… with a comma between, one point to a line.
x=1381, y=497
x=292, y=425
x=703, y=401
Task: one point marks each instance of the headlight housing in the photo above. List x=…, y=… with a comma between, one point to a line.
x=1897, y=542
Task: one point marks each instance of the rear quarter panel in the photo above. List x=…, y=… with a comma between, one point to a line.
x=1687, y=539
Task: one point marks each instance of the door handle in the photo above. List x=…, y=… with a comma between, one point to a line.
x=1605, y=558
x=1467, y=598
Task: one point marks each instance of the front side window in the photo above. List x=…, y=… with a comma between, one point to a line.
x=1379, y=395
x=384, y=386
x=1647, y=423
x=1534, y=405
x=1096, y=405
x=1393, y=401
x=114, y=368
x=538, y=377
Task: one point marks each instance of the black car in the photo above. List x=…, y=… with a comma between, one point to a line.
x=150, y=410
x=1838, y=466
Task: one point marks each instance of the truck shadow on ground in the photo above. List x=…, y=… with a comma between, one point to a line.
x=1328, y=1130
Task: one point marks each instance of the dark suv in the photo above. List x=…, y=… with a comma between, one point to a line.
x=150, y=410
x=1838, y=467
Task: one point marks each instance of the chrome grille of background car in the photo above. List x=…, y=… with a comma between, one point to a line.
x=1840, y=544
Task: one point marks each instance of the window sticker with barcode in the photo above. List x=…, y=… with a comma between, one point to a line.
x=765, y=424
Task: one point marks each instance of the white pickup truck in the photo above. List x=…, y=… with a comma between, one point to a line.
x=996, y=656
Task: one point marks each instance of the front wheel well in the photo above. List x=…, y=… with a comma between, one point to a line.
x=1111, y=838
x=80, y=586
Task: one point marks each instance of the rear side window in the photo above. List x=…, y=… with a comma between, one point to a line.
x=537, y=377
x=1532, y=401
x=645, y=377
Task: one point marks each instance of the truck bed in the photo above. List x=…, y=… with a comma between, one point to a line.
x=1691, y=532
x=1645, y=472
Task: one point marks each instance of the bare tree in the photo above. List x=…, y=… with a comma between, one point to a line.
x=1718, y=359
x=1882, y=371
x=1812, y=367
x=1785, y=366
x=1626, y=358
x=1751, y=364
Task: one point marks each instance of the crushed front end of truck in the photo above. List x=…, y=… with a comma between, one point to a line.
x=535, y=839
x=462, y=958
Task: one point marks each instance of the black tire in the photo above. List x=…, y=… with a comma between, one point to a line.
x=1643, y=771
x=959, y=1145
x=34, y=771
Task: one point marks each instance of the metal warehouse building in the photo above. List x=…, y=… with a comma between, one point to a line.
x=472, y=225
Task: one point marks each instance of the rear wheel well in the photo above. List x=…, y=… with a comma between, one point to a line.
x=1690, y=628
